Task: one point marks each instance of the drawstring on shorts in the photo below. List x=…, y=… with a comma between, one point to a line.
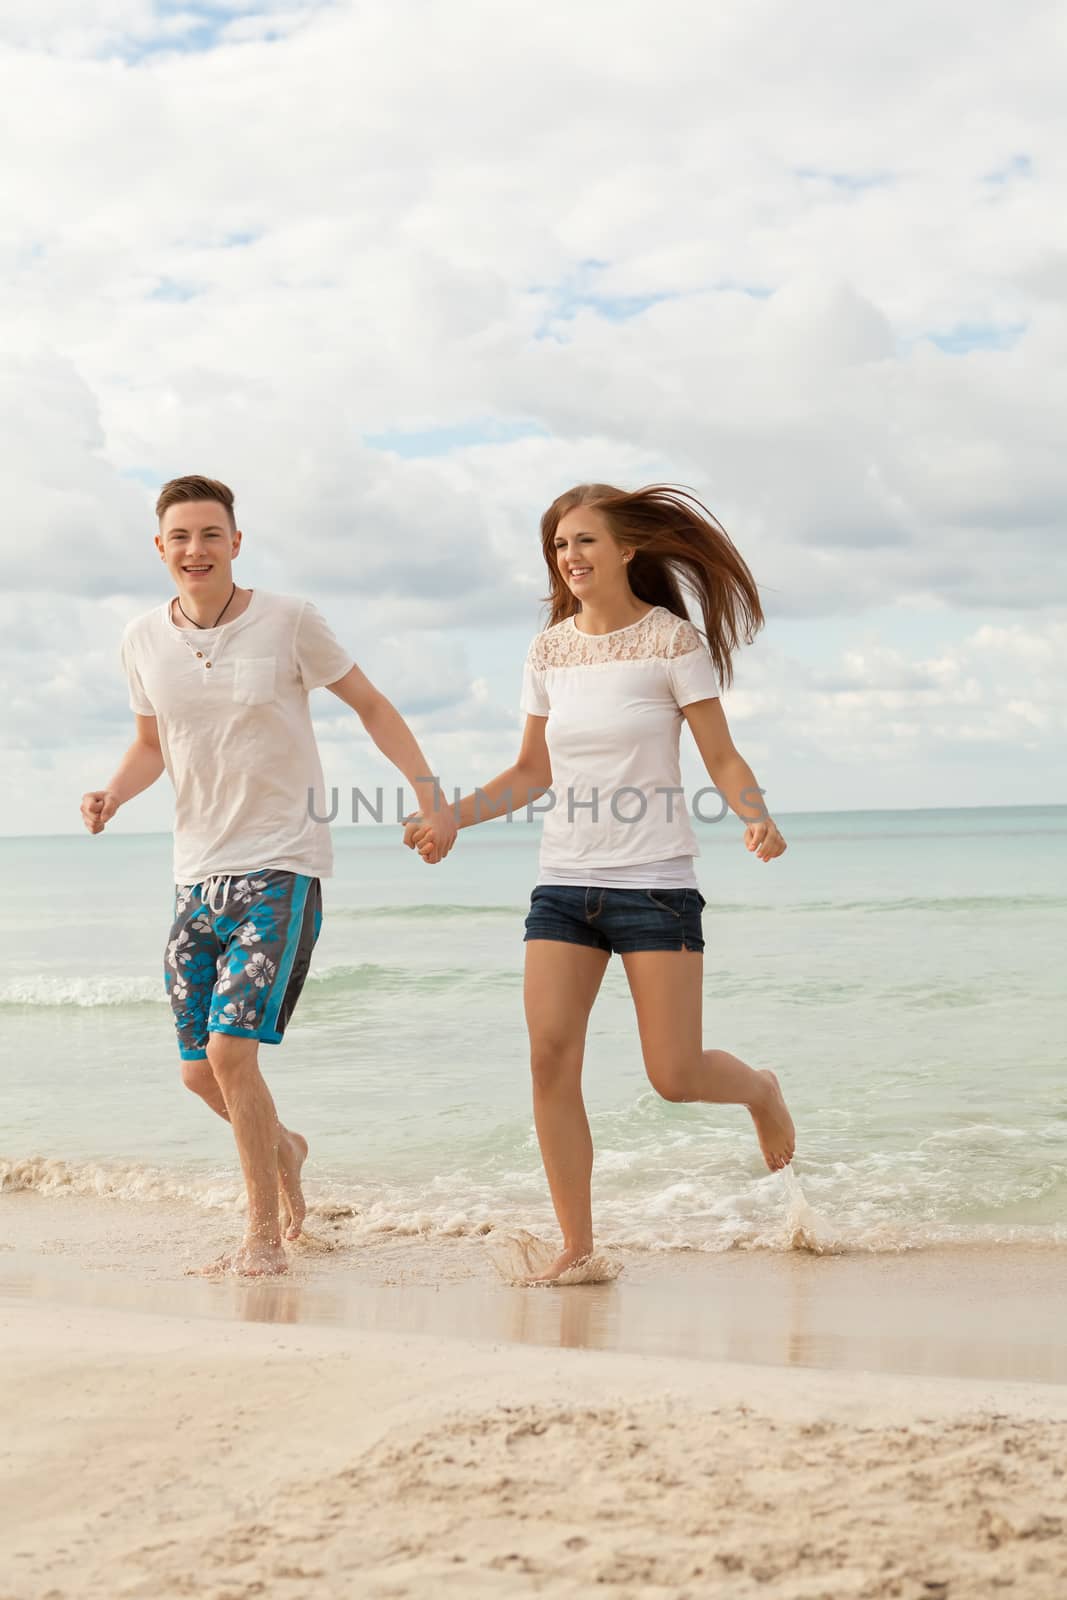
x=213, y=888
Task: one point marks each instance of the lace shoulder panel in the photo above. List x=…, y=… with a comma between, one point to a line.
x=659, y=633
x=684, y=640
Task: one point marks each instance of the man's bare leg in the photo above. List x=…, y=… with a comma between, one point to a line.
x=292, y=1147
x=251, y=1113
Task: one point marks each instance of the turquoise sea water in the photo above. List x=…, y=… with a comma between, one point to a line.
x=903, y=972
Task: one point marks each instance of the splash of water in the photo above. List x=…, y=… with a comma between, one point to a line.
x=520, y=1257
x=805, y=1228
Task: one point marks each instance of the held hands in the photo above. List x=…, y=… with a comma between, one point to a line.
x=432, y=837
x=763, y=839
x=97, y=809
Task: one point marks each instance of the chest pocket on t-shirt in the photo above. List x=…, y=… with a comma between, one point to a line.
x=253, y=680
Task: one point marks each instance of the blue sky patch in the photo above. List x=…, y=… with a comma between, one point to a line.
x=202, y=27
x=1020, y=166
x=579, y=291
x=172, y=289
x=968, y=336
x=202, y=32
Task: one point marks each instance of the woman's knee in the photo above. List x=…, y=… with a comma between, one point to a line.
x=554, y=1066
x=670, y=1081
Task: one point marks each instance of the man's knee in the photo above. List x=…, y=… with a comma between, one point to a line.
x=198, y=1076
x=229, y=1057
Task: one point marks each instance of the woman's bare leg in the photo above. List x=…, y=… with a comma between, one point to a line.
x=667, y=991
x=562, y=981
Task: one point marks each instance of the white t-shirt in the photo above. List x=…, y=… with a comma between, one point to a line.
x=235, y=728
x=613, y=703
x=678, y=873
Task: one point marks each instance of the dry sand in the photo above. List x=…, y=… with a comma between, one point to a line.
x=154, y=1455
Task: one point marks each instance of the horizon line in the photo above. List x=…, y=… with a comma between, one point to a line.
x=844, y=811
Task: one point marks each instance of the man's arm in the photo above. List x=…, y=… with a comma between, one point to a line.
x=138, y=770
x=398, y=744
x=528, y=780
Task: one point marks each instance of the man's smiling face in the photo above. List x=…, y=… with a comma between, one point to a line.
x=198, y=544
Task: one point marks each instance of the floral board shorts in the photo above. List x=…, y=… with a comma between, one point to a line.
x=238, y=954
x=622, y=920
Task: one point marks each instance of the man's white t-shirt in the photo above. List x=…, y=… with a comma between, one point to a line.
x=613, y=703
x=235, y=729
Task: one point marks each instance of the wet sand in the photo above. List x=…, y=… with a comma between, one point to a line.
x=996, y=1312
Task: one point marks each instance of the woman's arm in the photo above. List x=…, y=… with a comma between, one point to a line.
x=733, y=777
x=518, y=786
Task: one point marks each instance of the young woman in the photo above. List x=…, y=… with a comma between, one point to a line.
x=606, y=687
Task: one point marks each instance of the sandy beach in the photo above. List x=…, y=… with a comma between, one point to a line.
x=164, y=1456
x=165, y=1436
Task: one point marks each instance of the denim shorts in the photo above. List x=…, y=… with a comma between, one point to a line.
x=622, y=920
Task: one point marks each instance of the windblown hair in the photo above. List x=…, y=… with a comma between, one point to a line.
x=678, y=547
x=180, y=491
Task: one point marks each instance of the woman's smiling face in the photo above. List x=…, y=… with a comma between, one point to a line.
x=589, y=557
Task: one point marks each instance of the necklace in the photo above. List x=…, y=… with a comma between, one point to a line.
x=217, y=620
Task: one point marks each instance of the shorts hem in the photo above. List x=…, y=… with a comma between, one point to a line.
x=192, y=1055
x=260, y=1036
x=635, y=947
x=559, y=937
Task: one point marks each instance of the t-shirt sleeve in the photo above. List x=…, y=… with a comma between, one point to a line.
x=534, y=700
x=321, y=658
x=139, y=701
x=692, y=671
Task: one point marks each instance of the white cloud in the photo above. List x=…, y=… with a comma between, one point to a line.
x=70, y=517
x=802, y=259
x=882, y=710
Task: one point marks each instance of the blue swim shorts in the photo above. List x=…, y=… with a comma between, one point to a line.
x=238, y=954
x=622, y=920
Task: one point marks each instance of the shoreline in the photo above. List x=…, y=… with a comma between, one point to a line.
x=996, y=1313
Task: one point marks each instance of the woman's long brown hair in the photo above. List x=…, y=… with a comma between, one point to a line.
x=678, y=546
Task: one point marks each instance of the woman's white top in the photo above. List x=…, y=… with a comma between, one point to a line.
x=678, y=873
x=614, y=707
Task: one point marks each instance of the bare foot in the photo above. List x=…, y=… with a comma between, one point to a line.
x=562, y=1263
x=255, y=1258
x=292, y=1153
x=774, y=1125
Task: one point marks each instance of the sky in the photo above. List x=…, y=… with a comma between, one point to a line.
x=400, y=272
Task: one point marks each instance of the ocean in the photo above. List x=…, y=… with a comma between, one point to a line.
x=901, y=971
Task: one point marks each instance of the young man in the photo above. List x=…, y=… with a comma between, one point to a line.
x=219, y=682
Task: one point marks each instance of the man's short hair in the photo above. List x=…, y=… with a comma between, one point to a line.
x=179, y=491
